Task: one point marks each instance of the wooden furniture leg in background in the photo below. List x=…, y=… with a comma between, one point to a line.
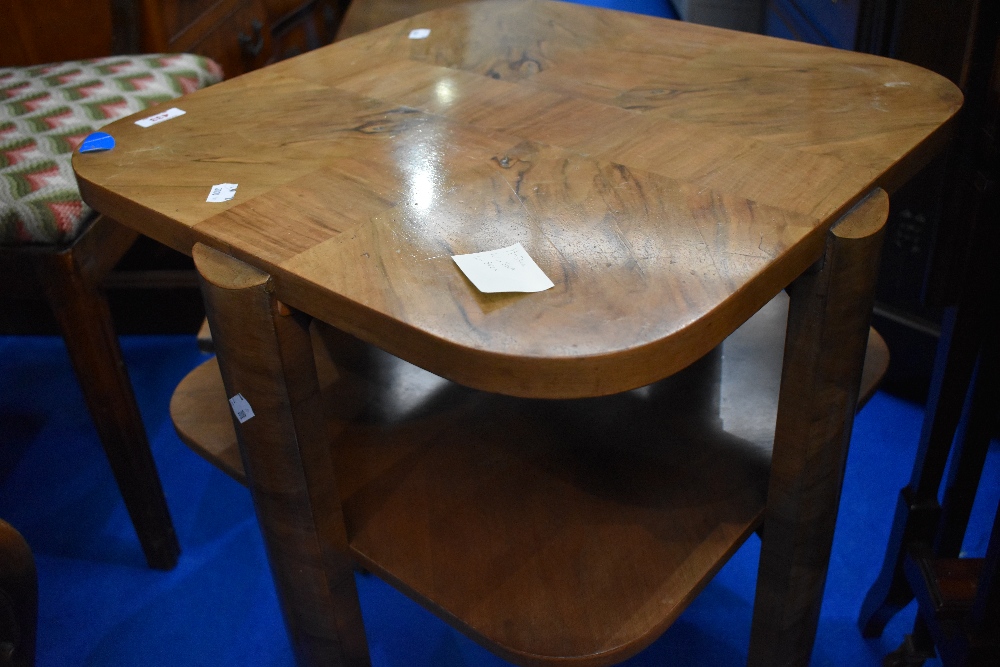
x=964, y=333
x=70, y=280
x=922, y=557
x=825, y=343
x=917, y=509
x=958, y=598
x=266, y=356
x=18, y=599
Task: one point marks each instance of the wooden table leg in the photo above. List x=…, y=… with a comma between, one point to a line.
x=265, y=355
x=827, y=332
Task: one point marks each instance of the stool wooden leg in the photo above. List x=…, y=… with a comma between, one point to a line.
x=265, y=354
x=85, y=321
x=825, y=343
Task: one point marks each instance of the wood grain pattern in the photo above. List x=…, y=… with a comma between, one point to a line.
x=532, y=525
x=648, y=166
x=266, y=357
x=828, y=325
x=671, y=179
x=401, y=437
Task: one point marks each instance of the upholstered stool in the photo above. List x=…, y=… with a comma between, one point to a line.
x=52, y=245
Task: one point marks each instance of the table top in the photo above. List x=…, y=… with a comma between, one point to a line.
x=669, y=178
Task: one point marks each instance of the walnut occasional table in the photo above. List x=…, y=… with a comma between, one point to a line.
x=671, y=179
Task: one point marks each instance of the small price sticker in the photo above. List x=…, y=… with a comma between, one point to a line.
x=222, y=192
x=420, y=33
x=160, y=117
x=241, y=408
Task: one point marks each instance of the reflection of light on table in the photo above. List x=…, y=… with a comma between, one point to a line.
x=444, y=91
x=423, y=171
x=405, y=392
x=422, y=189
x=747, y=402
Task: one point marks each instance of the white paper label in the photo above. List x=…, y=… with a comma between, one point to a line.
x=420, y=33
x=222, y=192
x=508, y=269
x=160, y=117
x=241, y=408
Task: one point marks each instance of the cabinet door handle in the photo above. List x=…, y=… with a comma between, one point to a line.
x=253, y=44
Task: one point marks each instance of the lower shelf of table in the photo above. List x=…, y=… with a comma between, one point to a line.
x=572, y=529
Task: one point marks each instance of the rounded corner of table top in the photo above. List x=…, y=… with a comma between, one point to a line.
x=691, y=173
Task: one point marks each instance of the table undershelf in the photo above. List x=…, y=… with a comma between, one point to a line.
x=627, y=504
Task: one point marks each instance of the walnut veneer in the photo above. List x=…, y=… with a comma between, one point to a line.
x=542, y=123
x=670, y=179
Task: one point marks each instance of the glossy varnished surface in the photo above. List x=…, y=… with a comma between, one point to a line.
x=669, y=178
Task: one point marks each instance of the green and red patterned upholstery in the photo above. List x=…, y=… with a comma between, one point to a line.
x=46, y=111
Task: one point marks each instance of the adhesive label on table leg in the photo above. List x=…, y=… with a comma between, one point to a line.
x=97, y=142
x=241, y=408
x=420, y=33
x=509, y=269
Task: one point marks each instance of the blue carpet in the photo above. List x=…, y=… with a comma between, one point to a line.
x=651, y=7
x=100, y=605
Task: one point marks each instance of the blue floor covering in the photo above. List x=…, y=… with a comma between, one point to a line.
x=100, y=605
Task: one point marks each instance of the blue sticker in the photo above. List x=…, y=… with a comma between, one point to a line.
x=97, y=142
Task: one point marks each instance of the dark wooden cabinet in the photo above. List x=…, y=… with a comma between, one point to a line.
x=39, y=32
x=241, y=35
x=297, y=27
x=234, y=33
x=927, y=233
